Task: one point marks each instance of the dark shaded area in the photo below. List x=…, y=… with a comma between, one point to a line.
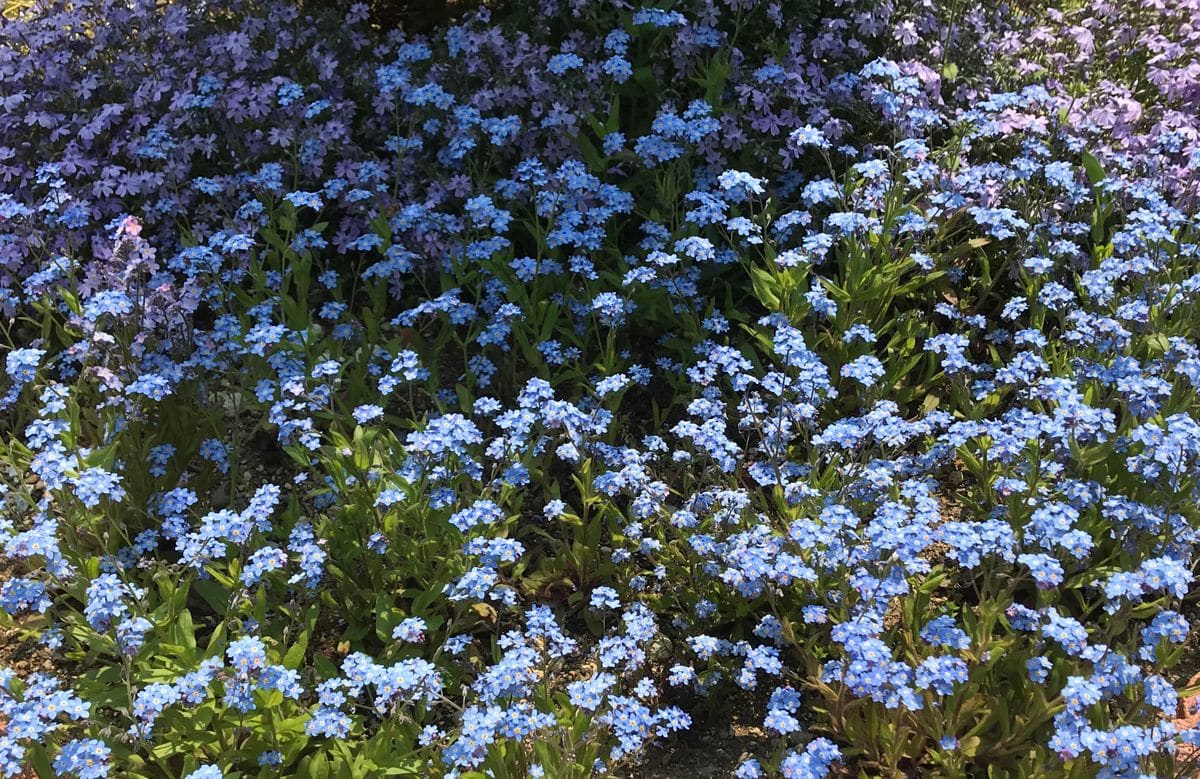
x=412, y=16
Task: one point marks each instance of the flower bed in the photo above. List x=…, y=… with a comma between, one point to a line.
x=500, y=401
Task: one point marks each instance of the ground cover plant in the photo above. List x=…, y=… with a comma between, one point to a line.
x=505, y=399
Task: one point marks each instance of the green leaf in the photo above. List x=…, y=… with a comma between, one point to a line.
x=40, y=761
x=766, y=288
x=315, y=766
x=1092, y=168
x=186, y=630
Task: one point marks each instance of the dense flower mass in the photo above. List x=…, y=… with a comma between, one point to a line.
x=506, y=400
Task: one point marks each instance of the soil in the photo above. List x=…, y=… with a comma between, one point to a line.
x=1187, y=758
x=24, y=655
x=714, y=746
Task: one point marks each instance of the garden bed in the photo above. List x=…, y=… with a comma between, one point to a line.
x=569, y=389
